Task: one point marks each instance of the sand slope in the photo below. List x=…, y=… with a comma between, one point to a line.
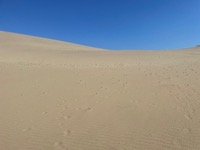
x=62, y=96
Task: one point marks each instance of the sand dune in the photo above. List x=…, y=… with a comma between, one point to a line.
x=62, y=96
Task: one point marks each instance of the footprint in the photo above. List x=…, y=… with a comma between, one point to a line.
x=27, y=129
x=66, y=132
x=56, y=144
x=188, y=117
x=67, y=117
x=88, y=109
x=60, y=145
x=44, y=113
x=186, y=130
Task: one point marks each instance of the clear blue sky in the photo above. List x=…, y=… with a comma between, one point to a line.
x=111, y=24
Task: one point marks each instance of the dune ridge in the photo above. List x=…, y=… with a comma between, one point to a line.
x=61, y=96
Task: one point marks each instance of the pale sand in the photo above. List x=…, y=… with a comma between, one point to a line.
x=62, y=96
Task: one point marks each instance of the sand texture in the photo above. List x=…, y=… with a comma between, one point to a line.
x=62, y=96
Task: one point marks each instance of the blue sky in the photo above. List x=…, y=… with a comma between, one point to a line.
x=110, y=24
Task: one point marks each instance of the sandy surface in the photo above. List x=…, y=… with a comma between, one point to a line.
x=62, y=96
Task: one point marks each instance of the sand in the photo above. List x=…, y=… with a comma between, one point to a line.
x=62, y=96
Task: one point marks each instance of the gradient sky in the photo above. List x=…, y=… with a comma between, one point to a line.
x=110, y=24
